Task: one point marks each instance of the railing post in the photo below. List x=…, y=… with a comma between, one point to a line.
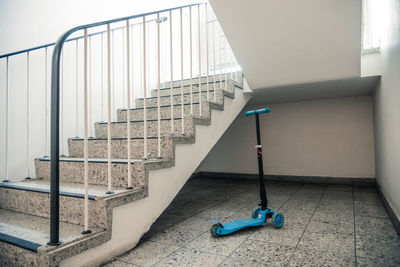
x=102, y=77
x=128, y=109
x=89, y=59
x=109, y=191
x=85, y=133
x=62, y=103
x=54, y=148
x=214, y=63
x=182, y=100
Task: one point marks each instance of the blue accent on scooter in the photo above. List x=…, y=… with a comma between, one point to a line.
x=257, y=111
x=219, y=229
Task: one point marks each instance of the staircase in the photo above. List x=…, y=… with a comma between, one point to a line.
x=117, y=221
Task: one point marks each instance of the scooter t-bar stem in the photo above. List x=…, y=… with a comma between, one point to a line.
x=263, y=194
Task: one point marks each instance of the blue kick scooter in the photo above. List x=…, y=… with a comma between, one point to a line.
x=260, y=213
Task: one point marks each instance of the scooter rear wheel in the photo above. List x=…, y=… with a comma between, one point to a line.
x=278, y=219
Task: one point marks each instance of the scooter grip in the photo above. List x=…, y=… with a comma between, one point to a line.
x=257, y=111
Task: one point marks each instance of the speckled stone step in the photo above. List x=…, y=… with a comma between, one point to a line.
x=35, y=195
x=166, y=100
x=98, y=148
x=25, y=237
x=165, y=112
x=118, y=129
x=72, y=170
x=228, y=86
x=237, y=77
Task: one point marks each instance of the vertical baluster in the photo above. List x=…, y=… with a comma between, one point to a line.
x=90, y=85
x=200, y=100
x=27, y=117
x=182, y=101
x=85, y=133
x=108, y=111
x=158, y=89
x=144, y=92
x=207, y=44
x=226, y=62
x=102, y=77
x=172, y=74
x=214, y=62
x=76, y=87
x=191, y=61
x=62, y=103
x=6, y=144
x=46, y=104
x=123, y=66
x=128, y=109
x=220, y=53
x=113, y=69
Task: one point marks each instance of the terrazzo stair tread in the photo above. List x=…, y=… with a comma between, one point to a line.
x=98, y=147
x=69, y=189
x=72, y=170
x=166, y=100
x=165, y=111
x=203, y=79
x=31, y=232
x=195, y=88
x=36, y=194
x=118, y=129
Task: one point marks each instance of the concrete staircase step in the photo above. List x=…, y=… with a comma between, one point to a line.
x=35, y=194
x=166, y=100
x=237, y=77
x=118, y=129
x=98, y=148
x=166, y=91
x=72, y=171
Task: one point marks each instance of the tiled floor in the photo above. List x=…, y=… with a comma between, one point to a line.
x=324, y=226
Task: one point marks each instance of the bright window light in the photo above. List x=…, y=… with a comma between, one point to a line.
x=372, y=24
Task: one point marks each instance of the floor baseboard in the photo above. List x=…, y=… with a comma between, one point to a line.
x=291, y=178
x=392, y=215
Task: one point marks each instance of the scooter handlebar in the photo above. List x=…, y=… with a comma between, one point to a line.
x=257, y=111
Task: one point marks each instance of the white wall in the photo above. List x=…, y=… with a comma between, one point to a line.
x=25, y=23
x=387, y=108
x=331, y=137
x=290, y=41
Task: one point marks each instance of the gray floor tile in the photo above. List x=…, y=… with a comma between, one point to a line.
x=310, y=257
x=191, y=257
x=289, y=234
x=175, y=236
x=117, y=263
x=236, y=262
x=147, y=253
x=331, y=237
x=372, y=262
x=263, y=252
x=223, y=245
x=370, y=210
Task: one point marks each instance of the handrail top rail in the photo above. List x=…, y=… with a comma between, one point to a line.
x=96, y=24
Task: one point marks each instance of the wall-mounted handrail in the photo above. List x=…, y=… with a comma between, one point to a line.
x=74, y=39
x=55, y=112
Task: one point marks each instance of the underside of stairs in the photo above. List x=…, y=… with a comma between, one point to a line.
x=118, y=220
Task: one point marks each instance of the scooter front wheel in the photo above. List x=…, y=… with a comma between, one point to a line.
x=255, y=212
x=278, y=219
x=214, y=229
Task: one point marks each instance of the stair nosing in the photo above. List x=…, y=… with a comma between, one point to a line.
x=45, y=191
x=163, y=106
x=19, y=242
x=152, y=97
